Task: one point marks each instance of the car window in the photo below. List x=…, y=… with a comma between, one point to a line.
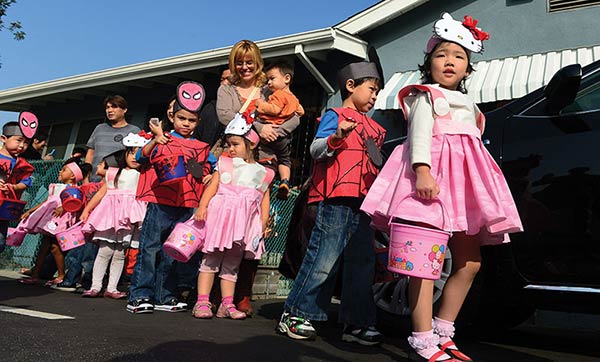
x=588, y=98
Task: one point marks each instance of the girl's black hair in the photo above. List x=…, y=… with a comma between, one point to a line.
x=248, y=145
x=86, y=170
x=425, y=68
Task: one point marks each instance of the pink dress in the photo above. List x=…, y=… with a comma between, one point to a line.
x=474, y=194
x=234, y=213
x=119, y=211
x=42, y=220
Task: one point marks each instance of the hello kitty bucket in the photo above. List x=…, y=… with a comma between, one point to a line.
x=15, y=236
x=184, y=241
x=70, y=238
x=417, y=251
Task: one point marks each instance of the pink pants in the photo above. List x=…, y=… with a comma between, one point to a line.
x=228, y=261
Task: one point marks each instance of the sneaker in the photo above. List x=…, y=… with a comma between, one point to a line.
x=63, y=287
x=366, y=336
x=79, y=290
x=296, y=327
x=284, y=190
x=138, y=306
x=172, y=306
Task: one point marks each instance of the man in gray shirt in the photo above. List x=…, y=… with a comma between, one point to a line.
x=108, y=137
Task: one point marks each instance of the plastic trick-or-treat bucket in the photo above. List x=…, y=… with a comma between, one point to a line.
x=11, y=208
x=184, y=241
x=417, y=251
x=169, y=168
x=15, y=236
x=71, y=199
x=70, y=238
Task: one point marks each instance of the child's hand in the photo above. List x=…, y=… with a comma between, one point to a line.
x=426, y=187
x=58, y=211
x=156, y=127
x=200, y=214
x=162, y=139
x=344, y=128
x=206, y=179
x=84, y=215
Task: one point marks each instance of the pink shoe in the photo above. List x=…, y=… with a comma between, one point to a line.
x=30, y=281
x=230, y=311
x=52, y=282
x=91, y=293
x=115, y=295
x=202, y=310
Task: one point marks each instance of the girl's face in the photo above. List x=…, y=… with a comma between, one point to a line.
x=449, y=64
x=101, y=169
x=65, y=175
x=130, y=160
x=245, y=68
x=238, y=148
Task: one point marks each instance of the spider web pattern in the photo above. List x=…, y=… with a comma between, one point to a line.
x=352, y=169
x=182, y=192
x=22, y=169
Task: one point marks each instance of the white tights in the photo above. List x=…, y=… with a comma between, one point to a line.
x=106, y=252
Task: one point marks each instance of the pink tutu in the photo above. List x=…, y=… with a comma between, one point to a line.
x=118, y=210
x=472, y=190
x=234, y=215
x=43, y=221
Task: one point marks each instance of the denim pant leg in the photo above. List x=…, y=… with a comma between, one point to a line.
x=143, y=279
x=73, y=264
x=90, y=250
x=311, y=292
x=187, y=273
x=3, y=232
x=358, y=306
x=166, y=273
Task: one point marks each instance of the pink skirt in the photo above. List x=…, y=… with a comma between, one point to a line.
x=43, y=221
x=474, y=196
x=234, y=216
x=118, y=210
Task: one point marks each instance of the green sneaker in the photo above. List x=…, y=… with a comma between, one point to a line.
x=296, y=327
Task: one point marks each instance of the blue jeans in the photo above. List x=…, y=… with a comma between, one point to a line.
x=3, y=231
x=78, y=260
x=154, y=274
x=187, y=273
x=341, y=234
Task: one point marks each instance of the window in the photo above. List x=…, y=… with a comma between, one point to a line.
x=588, y=98
x=560, y=5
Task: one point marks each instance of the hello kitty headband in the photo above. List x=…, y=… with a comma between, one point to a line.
x=241, y=125
x=28, y=125
x=137, y=139
x=465, y=34
x=190, y=96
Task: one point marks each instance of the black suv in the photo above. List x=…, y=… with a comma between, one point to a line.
x=548, y=146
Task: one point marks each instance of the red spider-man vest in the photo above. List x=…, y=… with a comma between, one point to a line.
x=183, y=192
x=22, y=169
x=350, y=172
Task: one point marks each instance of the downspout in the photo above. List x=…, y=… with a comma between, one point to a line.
x=299, y=50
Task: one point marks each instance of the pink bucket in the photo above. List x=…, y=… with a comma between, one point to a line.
x=417, y=251
x=184, y=241
x=70, y=238
x=15, y=237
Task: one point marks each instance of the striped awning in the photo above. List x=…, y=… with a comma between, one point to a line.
x=499, y=79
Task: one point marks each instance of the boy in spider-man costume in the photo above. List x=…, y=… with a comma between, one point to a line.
x=346, y=153
x=15, y=172
x=153, y=283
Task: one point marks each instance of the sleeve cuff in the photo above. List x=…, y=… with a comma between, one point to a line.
x=332, y=145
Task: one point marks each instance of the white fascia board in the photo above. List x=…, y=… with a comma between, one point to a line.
x=377, y=14
x=316, y=40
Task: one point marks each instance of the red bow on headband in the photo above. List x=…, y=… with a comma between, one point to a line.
x=471, y=24
x=144, y=134
x=248, y=116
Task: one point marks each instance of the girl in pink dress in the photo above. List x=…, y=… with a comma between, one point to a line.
x=233, y=211
x=48, y=219
x=444, y=163
x=114, y=216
